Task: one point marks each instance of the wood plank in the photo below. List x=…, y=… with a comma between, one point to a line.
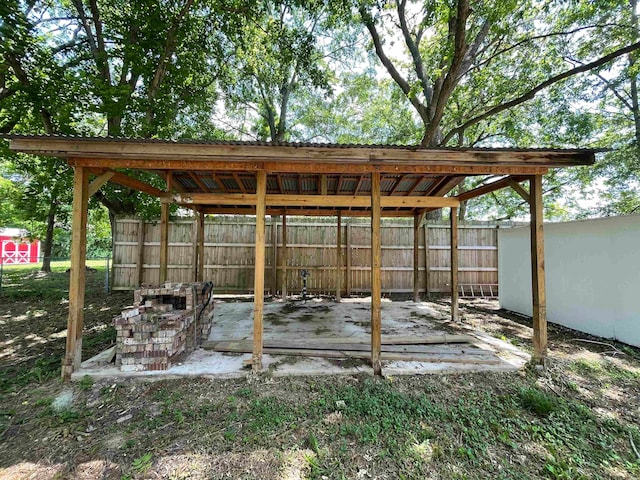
x=98, y=182
x=303, y=200
x=245, y=346
x=376, y=274
x=201, y=219
x=489, y=187
x=140, y=254
x=435, y=168
x=274, y=255
x=164, y=241
x=488, y=359
x=537, y=272
x=454, y=264
x=75, y=322
x=284, y=256
x=339, y=258
x=416, y=258
x=134, y=183
x=348, y=261
x=310, y=211
x=520, y=190
x=385, y=340
x=194, y=248
x=258, y=303
x=427, y=261
x=107, y=148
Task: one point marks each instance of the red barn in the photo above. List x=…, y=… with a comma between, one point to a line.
x=15, y=247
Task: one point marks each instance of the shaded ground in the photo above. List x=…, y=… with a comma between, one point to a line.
x=578, y=420
x=33, y=321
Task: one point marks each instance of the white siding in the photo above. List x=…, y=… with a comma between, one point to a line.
x=592, y=273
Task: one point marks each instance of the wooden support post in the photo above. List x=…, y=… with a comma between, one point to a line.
x=339, y=258
x=274, y=255
x=537, y=272
x=164, y=233
x=348, y=261
x=140, y=263
x=427, y=265
x=194, y=257
x=454, y=265
x=201, y=217
x=416, y=258
x=75, y=323
x=258, y=289
x=164, y=241
x=284, y=257
x=376, y=272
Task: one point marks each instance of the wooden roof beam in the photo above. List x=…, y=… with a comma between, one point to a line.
x=297, y=167
x=342, y=201
x=196, y=178
x=130, y=182
x=489, y=187
x=239, y=182
x=159, y=151
x=313, y=212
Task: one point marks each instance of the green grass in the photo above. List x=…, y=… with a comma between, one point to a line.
x=22, y=282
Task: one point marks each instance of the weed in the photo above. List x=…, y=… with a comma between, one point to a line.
x=86, y=383
x=142, y=464
x=537, y=400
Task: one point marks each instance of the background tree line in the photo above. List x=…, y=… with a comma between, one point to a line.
x=554, y=73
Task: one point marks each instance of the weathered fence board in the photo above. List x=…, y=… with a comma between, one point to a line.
x=311, y=245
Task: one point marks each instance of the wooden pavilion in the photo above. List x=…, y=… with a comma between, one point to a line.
x=256, y=178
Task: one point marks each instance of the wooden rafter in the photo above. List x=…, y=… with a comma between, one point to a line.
x=401, y=178
x=415, y=184
x=196, y=178
x=218, y=181
x=360, y=180
x=239, y=182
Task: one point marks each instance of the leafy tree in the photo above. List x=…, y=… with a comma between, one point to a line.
x=280, y=54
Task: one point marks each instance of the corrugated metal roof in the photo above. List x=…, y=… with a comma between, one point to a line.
x=294, y=144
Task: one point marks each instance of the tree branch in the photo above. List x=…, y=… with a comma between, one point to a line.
x=388, y=64
x=541, y=86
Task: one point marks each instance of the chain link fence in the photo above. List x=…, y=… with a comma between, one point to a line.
x=13, y=270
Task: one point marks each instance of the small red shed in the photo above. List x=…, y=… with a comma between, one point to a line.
x=16, y=247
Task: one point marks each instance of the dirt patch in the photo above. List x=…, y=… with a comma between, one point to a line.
x=321, y=330
x=291, y=307
x=33, y=321
x=275, y=319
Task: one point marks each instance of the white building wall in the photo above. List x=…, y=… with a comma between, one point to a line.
x=592, y=274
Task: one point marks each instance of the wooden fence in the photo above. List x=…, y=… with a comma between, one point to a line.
x=311, y=245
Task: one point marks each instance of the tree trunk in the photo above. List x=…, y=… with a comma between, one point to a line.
x=48, y=239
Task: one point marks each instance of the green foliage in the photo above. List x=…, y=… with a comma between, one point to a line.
x=142, y=463
x=537, y=401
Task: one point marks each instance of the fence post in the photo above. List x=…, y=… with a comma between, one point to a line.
x=106, y=275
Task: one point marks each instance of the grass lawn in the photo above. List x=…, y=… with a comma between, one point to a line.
x=577, y=420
